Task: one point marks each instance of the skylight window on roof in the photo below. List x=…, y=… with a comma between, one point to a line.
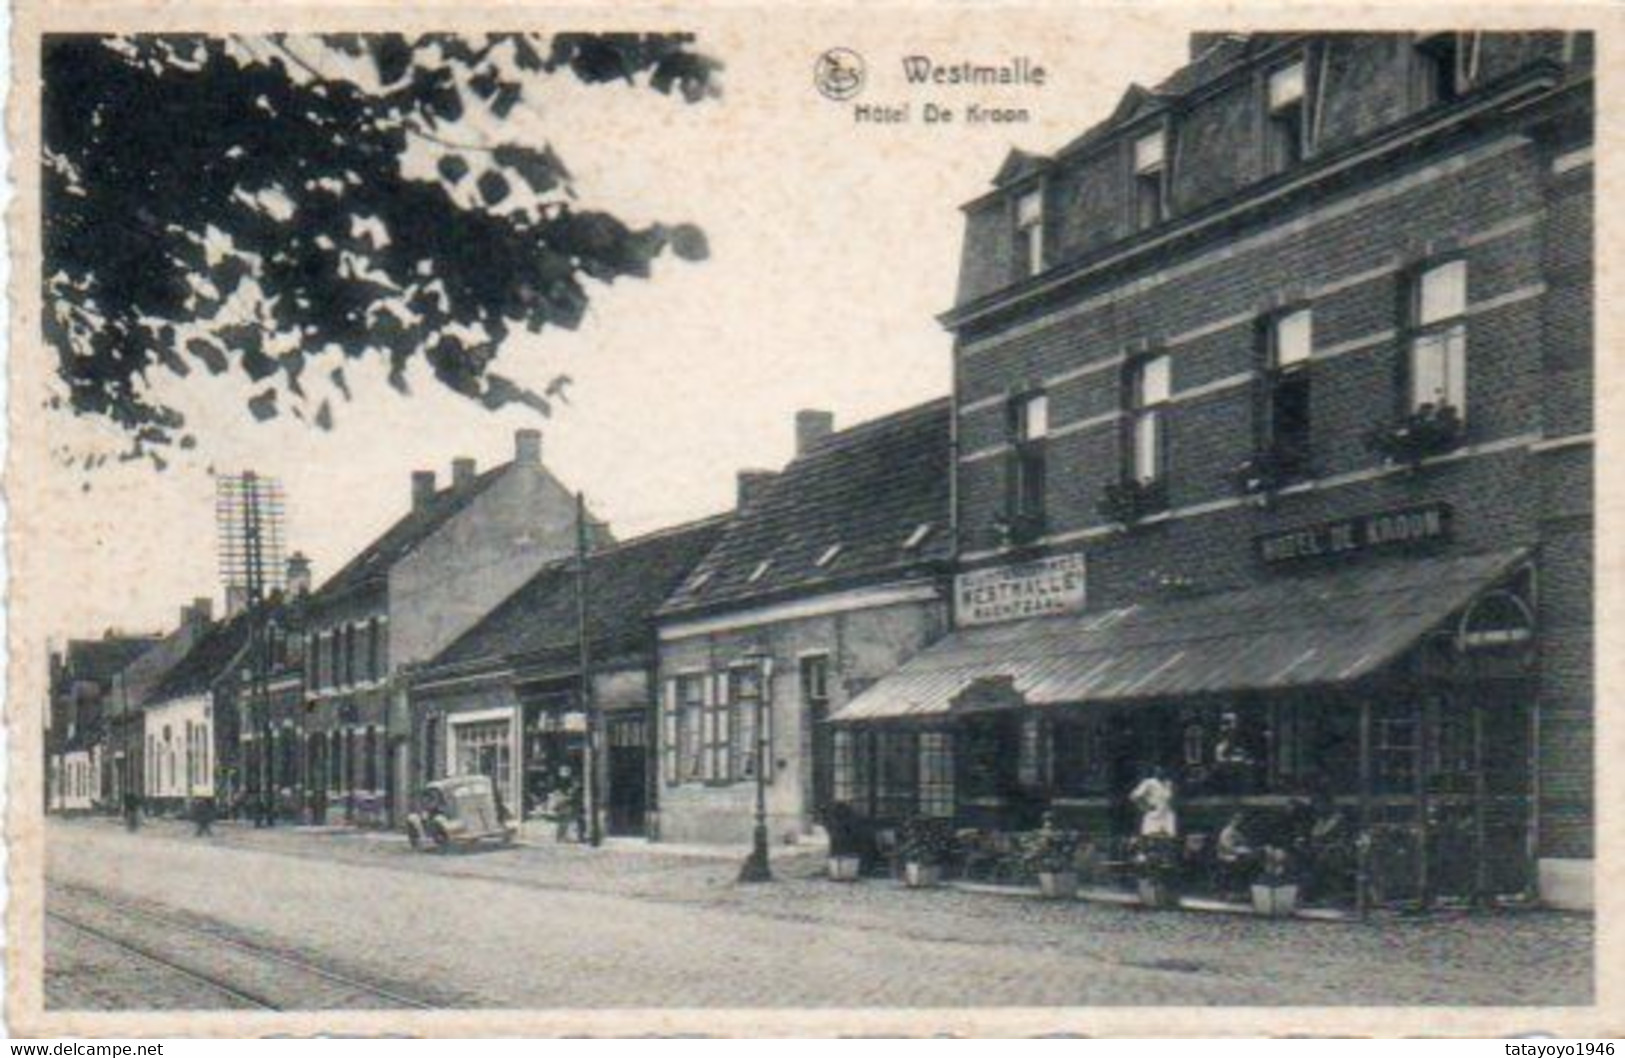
x=760, y=571
x=917, y=537
x=831, y=553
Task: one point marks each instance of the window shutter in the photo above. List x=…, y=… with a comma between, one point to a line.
x=766, y=763
x=668, y=731
x=725, y=766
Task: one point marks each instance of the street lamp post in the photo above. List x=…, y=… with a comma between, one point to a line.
x=756, y=867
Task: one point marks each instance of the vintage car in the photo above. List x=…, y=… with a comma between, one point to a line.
x=459, y=811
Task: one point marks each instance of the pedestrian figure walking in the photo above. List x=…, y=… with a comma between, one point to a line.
x=203, y=817
x=132, y=811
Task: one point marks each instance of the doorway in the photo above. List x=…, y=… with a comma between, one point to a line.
x=628, y=800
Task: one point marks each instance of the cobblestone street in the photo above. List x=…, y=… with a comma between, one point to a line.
x=558, y=926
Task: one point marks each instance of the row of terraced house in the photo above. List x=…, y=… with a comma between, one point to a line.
x=1267, y=461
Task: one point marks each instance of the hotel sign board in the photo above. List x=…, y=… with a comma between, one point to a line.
x=1039, y=588
x=1391, y=530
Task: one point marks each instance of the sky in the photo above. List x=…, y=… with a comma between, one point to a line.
x=834, y=246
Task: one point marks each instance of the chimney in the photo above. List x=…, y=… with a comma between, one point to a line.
x=298, y=574
x=752, y=483
x=422, y=488
x=236, y=600
x=462, y=471
x=1201, y=42
x=527, y=447
x=197, y=615
x=812, y=426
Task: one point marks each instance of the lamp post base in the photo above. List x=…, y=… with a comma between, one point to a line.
x=756, y=868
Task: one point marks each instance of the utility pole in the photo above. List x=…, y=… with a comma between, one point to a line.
x=589, y=712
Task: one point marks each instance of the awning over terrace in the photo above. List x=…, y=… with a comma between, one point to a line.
x=1295, y=632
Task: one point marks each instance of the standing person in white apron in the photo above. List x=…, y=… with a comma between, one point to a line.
x=1154, y=797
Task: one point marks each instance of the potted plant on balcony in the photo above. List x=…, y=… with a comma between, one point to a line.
x=1127, y=501
x=1430, y=430
x=1156, y=859
x=1051, y=853
x=925, y=844
x=845, y=842
x=1275, y=890
x=1265, y=473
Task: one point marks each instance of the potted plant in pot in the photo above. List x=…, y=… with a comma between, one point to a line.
x=845, y=842
x=1051, y=853
x=1156, y=861
x=925, y=844
x=1275, y=890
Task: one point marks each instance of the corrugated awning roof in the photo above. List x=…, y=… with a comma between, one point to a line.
x=1293, y=633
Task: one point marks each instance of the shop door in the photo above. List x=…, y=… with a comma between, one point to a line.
x=628, y=775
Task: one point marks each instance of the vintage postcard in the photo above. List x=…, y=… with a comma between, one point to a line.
x=993, y=519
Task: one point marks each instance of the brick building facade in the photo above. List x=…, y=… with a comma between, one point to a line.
x=1274, y=389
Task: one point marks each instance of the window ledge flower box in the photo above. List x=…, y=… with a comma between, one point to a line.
x=1266, y=472
x=1129, y=501
x=1430, y=430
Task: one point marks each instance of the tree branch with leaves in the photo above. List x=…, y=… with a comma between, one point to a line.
x=244, y=205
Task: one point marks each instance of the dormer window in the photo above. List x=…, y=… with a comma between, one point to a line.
x=917, y=537
x=1030, y=233
x=1151, y=178
x=1288, y=117
x=1447, y=65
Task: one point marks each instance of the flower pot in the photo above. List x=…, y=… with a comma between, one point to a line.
x=921, y=875
x=1058, y=885
x=844, y=868
x=1156, y=893
x=1275, y=901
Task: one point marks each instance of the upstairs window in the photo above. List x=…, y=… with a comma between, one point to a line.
x=1447, y=65
x=1438, y=347
x=1289, y=342
x=1030, y=233
x=1288, y=117
x=1150, y=178
x=1149, y=388
x=1028, y=426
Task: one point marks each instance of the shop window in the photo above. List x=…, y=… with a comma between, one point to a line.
x=843, y=782
x=1289, y=343
x=1438, y=346
x=936, y=774
x=1446, y=66
x=1032, y=762
x=484, y=747
x=989, y=755
x=690, y=728
x=1077, y=752
x=1288, y=116
x=1148, y=391
x=747, y=693
x=1027, y=428
x=1151, y=178
x=1394, y=749
x=895, y=775
x=1029, y=252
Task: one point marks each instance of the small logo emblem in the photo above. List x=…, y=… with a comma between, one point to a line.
x=839, y=74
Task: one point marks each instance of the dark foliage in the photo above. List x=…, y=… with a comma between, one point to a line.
x=241, y=204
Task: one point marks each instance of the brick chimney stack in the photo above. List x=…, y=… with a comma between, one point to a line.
x=812, y=426
x=422, y=488
x=462, y=472
x=752, y=483
x=527, y=447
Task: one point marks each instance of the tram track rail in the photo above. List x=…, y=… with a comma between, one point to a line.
x=288, y=982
